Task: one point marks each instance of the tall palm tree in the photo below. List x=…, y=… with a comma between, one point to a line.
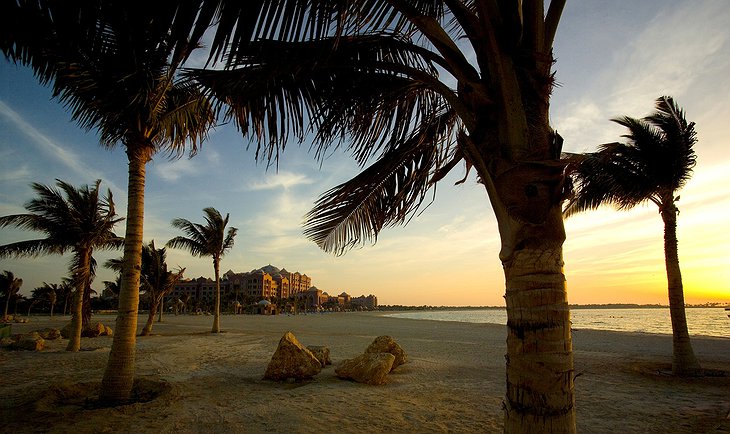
x=75, y=220
x=210, y=239
x=9, y=285
x=414, y=89
x=652, y=167
x=114, y=64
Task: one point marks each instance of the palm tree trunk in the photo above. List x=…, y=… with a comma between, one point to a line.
x=684, y=362
x=74, y=342
x=7, y=304
x=147, y=329
x=86, y=306
x=540, y=390
x=217, y=314
x=116, y=385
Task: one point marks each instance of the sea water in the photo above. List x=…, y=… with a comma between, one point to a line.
x=700, y=321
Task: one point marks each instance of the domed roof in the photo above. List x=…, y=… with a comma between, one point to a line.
x=264, y=303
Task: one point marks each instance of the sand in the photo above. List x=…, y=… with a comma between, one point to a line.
x=453, y=382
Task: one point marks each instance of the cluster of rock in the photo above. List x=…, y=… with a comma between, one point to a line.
x=33, y=341
x=373, y=366
x=90, y=331
x=36, y=340
x=293, y=361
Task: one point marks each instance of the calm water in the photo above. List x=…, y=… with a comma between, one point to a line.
x=701, y=321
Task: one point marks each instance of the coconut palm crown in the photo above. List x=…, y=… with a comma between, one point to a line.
x=654, y=164
x=209, y=239
x=76, y=220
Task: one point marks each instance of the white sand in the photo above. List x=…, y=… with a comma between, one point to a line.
x=453, y=382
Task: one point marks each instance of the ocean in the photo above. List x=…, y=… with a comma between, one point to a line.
x=700, y=321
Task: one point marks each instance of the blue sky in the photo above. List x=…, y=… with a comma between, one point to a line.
x=613, y=58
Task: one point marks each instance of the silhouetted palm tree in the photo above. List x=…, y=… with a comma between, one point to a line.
x=49, y=291
x=9, y=286
x=155, y=280
x=652, y=167
x=114, y=64
x=75, y=220
x=421, y=87
x=210, y=239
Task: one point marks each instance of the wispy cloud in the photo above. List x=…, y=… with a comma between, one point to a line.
x=282, y=179
x=50, y=147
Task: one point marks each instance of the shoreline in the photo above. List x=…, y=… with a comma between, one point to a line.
x=453, y=382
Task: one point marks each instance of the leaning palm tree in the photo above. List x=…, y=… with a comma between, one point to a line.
x=156, y=281
x=415, y=89
x=652, y=167
x=9, y=285
x=114, y=64
x=48, y=291
x=75, y=220
x=210, y=239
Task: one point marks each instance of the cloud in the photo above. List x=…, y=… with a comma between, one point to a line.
x=282, y=179
x=49, y=146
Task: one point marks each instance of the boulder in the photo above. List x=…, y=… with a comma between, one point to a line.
x=322, y=354
x=50, y=333
x=386, y=344
x=31, y=342
x=93, y=330
x=292, y=360
x=368, y=368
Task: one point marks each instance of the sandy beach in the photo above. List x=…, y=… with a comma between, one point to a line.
x=453, y=382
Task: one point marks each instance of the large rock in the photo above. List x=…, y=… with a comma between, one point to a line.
x=292, y=360
x=31, y=342
x=322, y=354
x=386, y=344
x=90, y=331
x=50, y=334
x=368, y=368
x=93, y=330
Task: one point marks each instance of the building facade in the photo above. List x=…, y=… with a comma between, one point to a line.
x=266, y=283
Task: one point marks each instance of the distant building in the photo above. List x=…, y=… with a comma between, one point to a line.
x=267, y=283
x=370, y=302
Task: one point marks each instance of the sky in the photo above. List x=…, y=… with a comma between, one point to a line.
x=612, y=58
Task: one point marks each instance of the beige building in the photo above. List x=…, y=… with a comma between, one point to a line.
x=267, y=283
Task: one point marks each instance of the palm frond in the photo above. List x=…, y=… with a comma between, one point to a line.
x=386, y=193
x=372, y=89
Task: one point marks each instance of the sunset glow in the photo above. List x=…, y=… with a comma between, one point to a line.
x=611, y=61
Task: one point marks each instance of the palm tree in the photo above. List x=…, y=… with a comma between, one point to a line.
x=75, y=220
x=65, y=290
x=48, y=291
x=9, y=285
x=210, y=239
x=156, y=280
x=417, y=89
x=115, y=65
x=652, y=167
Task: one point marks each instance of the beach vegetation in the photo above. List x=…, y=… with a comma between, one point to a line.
x=209, y=239
x=47, y=292
x=415, y=90
x=76, y=220
x=651, y=167
x=156, y=281
x=114, y=65
x=9, y=287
